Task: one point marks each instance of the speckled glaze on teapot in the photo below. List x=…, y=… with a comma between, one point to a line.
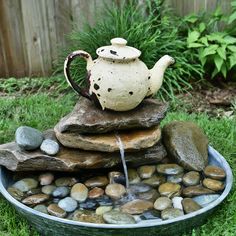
x=118, y=80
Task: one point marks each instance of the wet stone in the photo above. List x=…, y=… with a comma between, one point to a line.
x=28, y=138
x=177, y=202
x=162, y=203
x=204, y=200
x=26, y=184
x=68, y=204
x=169, y=169
x=116, y=217
x=115, y=191
x=146, y=171
x=214, y=172
x=95, y=193
x=46, y=179
x=133, y=176
x=65, y=181
x=139, y=188
x=150, y=195
x=87, y=216
x=190, y=205
x=48, y=189
x=55, y=210
x=104, y=201
x=16, y=193
x=79, y=192
x=116, y=177
x=171, y=213
x=169, y=189
x=103, y=209
x=35, y=199
x=150, y=215
x=196, y=191
x=136, y=207
x=89, y=204
x=191, y=178
x=41, y=208
x=33, y=191
x=155, y=180
x=175, y=178
x=99, y=181
x=50, y=147
x=56, y=200
x=61, y=192
x=213, y=184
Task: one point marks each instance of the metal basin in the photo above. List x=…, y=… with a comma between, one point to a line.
x=50, y=225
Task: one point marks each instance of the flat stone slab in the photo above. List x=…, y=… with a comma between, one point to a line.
x=13, y=158
x=132, y=140
x=87, y=118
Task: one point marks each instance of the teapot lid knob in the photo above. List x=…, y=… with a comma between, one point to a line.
x=118, y=42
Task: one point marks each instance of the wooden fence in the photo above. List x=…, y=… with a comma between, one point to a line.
x=32, y=30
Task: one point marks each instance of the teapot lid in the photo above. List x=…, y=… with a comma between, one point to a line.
x=118, y=50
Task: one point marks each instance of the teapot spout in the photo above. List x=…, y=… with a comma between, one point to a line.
x=157, y=73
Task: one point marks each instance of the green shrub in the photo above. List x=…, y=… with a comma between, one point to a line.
x=153, y=30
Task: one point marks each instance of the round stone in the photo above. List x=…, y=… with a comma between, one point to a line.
x=61, y=192
x=175, y=178
x=133, y=176
x=16, y=193
x=116, y=177
x=28, y=138
x=104, y=201
x=48, y=189
x=146, y=172
x=99, y=181
x=79, y=192
x=41, y=208
x=177, y=202
x=35, y=199
x=87, y=216
x=65, y=181
x=190, y=205
x=26, y=184
x=95, y=193
x=213, y=184
x=50, y=147
x=68, y=204
x=169, y=189
x=191, y=178
x=139, y=188
x=150, y=215
x=162, y=203
x=171, y=213
x=214, y=172
x=136, y=207
x=116, y=217
x=55, y=210
x=115, y=191
x=169, y=169
x=192, y=191
x=89, y=204
x=150, y=195
x=204, y=200
x=155, y=180
x=46, y=178
x=33, y=191
x=103, y=209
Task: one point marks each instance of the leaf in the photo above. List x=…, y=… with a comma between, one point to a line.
x=202, y=27
x=232, y=17
x=232, y=61
x=204, y=41
x=219, y=37
x=233, y=3
x=195, y=45
x=229, y=40
x=223, y=70
x=214, y=73
x=193, y=36
x=210, y=50
x=201, y=57
x=222, y=52
x=191, y=18
x=232, y=48
x=218, y=62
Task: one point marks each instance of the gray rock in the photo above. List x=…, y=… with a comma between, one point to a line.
x=41, y=208
x=190, y=205
x=191, y=178
x=35, y=199
x=146, y=172
x=48, y=189
x=107, y=121
x=139, y=188
x=26, y=184
x=187, y=144
x=197, y=190
x=28, y=138
x=116, y=217
x=16, y=193
x=133, y=176
x=98, y=181
x=61, y=192
x=162, y=203
x=103, y=209
x=175, y=178
x=169, y=169
x=46, y=178
x=68, y=204
x=155, y=180
x=49, y=147
x=115, y=191
x=169, y=189
x=204, y=200
x=150, y=215
x=79, y=192
x=171, y=213
x=177, y=202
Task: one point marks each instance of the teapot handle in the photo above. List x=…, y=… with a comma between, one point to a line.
x=79, y=53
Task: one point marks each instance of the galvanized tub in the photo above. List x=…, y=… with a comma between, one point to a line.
x=53, y=226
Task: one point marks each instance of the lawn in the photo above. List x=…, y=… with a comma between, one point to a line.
x=43, y=110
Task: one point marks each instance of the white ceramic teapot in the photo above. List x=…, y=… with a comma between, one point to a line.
x=118, y=80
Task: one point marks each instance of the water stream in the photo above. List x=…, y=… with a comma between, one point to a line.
x=122, y=155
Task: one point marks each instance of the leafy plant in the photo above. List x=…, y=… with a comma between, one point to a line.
x=154, y=30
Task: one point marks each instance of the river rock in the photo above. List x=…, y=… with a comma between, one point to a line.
x=136, y=206
x=98, y=181
x=87, y=216
x=116, y=217
x=104, y=201
x=171, y=213
x=214, y=172
x=48, y=189
x=190, y=205
x=139, y=188
x=204, y=200
x=50, y=147
x=89, y=204
x=28, y=138
x=169, y=189
x=35, y=199
x=61, y=192
x=68, y=204
x=16, y=193
x=41, y=208
x=191, y=178
x=196, y=191
x=132, y=140
x=95, y=193
x=155, y=180
x=26, y=184
x=46, y=178
x=79, y=192
x=108, y=120
x=169, y=169
x=73, y=159
x=213, y=184
x=33, y=191
x=187, y=144
x=150, y=215
x=115, y=191
x=55, y=210
x=103, y=209
x=175, y=178
x=177, y=202
x=116, y=177
x=146, y=172
x=150, y=195
x=162, y=203
x=133, y=176
x=65, y=181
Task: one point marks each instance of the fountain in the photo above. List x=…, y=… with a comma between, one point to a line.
x=108, y=167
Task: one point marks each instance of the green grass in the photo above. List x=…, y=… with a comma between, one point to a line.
x=43, y=111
